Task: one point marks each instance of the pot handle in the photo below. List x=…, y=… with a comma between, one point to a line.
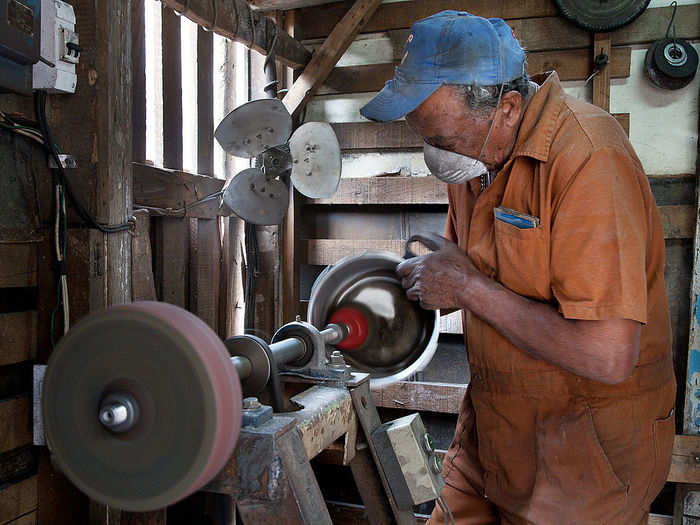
x=430, y=241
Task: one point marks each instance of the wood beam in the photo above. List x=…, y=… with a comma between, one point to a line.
x=235, y=20
x=443, y=398
x=573, y=64
x=323, y=62
x=319, y=21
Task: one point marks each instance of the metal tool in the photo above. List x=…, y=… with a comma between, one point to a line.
x=261, y=130
x=401, y=337
x=140, y=405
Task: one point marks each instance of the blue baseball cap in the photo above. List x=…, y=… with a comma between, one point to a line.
x=449, y=47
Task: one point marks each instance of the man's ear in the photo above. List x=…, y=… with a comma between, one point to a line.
x=511, y=108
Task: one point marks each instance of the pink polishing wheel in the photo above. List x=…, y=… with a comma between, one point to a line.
x=356, y=321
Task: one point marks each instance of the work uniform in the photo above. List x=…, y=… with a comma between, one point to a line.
x=535, y=443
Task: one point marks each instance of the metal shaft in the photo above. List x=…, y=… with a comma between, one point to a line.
x=335, y=333
x=288, y=350
x=243, y=366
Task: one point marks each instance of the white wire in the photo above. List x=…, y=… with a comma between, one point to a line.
x=61, y=211
x=64, y=278
x=438, y=502
x=447, y=508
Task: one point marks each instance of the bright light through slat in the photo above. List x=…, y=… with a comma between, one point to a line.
x=188, y=53
x=154, y=83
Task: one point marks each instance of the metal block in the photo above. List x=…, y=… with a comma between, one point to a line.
x=38, y=437
x=408, y=455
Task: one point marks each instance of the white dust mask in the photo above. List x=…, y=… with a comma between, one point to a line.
x=451, y=167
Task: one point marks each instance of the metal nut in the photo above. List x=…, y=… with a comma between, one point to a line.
x=251, y=403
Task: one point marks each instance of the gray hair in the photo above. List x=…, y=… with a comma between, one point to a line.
x=483, y=99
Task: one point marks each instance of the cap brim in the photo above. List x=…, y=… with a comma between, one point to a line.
x=397, y=99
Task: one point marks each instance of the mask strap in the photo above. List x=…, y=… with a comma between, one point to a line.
x=498, y=102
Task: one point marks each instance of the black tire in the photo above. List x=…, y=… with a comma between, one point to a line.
x=601, y=17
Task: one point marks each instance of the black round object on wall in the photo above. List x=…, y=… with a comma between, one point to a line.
x=671, y=64
x=601, y=16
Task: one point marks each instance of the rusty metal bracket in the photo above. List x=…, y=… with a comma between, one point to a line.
x=369, y=420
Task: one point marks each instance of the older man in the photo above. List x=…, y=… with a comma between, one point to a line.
x=555, y=254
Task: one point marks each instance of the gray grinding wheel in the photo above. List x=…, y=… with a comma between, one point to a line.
x=188, y=394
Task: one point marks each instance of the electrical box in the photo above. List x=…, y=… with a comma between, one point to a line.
x=407, y=454
x=59, y=46
x=19, y=43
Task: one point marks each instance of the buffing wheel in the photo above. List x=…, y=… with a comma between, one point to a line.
x=189, y=399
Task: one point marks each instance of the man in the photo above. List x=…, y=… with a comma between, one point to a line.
x=555, y=254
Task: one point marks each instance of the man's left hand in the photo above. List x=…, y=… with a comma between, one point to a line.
x=437, y=280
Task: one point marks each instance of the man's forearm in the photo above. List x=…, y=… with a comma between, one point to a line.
x=592, y=349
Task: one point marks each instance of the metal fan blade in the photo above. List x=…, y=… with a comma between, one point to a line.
x=316, y=160
x=254, y=127
x=256, y=198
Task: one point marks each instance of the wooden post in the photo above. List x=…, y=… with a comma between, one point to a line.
x=324, y=60
x=172, y=233
x=601, y=81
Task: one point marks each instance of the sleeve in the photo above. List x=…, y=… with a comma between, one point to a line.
x=599, y=241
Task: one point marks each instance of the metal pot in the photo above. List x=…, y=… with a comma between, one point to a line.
x=402, y=337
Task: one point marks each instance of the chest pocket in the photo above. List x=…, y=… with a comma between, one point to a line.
x=522, y=257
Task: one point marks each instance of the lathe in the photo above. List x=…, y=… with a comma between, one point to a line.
x=142, y=404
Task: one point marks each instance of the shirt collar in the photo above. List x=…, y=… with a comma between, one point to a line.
x=539, y=122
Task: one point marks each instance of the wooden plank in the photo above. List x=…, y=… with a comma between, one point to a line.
x=18, y=499
x=624, y=120
x=376, y=135
x=172, y=260
x=323, y=61
x=174, y=189
x=18, y=265
x=18, y=333
x=172, y=90
x=28, y=519
x=315, y=22
x=601, y=81
x=652, y=24
x=368, y=483
x=444, y=398
x=205, y=102
x=205, y=272
x=660, y=519
x=388, y=190
x=143, y=286
x=16, y=417
x=536, y=32
x=574, y=64
x=685, y=460
x=678, y=221
x=138, y=79
x=397, y=134
x=235, y=20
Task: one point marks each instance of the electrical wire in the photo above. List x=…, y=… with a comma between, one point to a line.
x=179, y=212
x=40, y=108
